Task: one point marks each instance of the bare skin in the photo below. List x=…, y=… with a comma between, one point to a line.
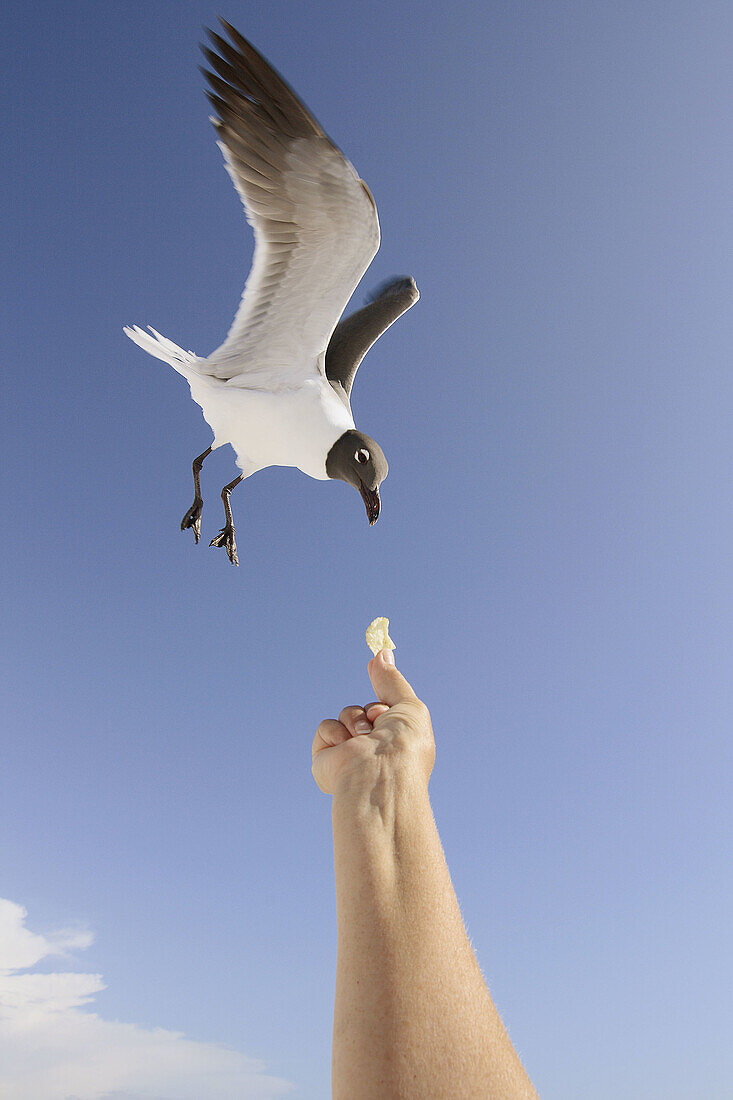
x=413, y=1018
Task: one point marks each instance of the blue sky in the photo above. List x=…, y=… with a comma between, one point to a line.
x=557, y=412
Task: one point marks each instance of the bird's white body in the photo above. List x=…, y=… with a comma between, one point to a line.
x=292, y=426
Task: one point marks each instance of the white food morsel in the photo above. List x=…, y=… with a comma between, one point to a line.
x=377, y=637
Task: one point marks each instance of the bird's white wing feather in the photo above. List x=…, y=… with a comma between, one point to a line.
x=315, y=223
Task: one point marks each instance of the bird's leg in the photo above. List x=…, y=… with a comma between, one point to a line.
x=192, y=517
x=225, y=537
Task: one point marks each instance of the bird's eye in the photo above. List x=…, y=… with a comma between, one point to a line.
x=362, y=456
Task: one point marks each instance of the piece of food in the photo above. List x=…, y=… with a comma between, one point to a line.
x=377, y=637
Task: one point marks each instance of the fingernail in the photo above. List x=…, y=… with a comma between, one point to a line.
x=363, y=726
x=387, y=656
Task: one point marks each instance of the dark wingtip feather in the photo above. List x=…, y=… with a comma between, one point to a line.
x=211, y=35
x=206, y=75
x=227, y=26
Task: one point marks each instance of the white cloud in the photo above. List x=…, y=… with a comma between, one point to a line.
x=52, y=1048
x=20, y=948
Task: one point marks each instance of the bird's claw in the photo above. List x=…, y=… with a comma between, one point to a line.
x=226, y=539
x=192, y=519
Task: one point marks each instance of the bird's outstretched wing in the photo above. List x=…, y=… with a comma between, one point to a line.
x=315, y=222
x=352, y=337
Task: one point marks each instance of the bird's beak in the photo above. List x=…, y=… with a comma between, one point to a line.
x=372, y=502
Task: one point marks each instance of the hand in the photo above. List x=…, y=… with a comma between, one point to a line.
x=392, y=732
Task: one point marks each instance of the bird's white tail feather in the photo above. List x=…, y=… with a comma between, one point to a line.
x=163, y=348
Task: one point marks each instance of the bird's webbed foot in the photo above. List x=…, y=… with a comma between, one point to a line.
x=226, y=539
x=192, y=518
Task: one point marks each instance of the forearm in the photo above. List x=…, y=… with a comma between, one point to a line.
x=413, y=1017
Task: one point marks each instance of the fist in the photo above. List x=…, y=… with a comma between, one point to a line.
x=395, y=731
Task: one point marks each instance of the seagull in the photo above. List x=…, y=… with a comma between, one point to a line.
x=278, y=389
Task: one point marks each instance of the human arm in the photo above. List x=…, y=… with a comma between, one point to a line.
x=413, y=1017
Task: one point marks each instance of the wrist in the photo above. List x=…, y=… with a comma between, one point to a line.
x=379, y=783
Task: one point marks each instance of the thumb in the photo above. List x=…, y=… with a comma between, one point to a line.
x=389, y=684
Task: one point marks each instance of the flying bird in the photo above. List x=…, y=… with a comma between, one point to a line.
x=278, y=389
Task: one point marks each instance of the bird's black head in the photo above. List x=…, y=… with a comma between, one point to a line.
x=357, y=459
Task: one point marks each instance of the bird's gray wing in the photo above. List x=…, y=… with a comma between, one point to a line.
x=315, y=222
x=355, y=334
